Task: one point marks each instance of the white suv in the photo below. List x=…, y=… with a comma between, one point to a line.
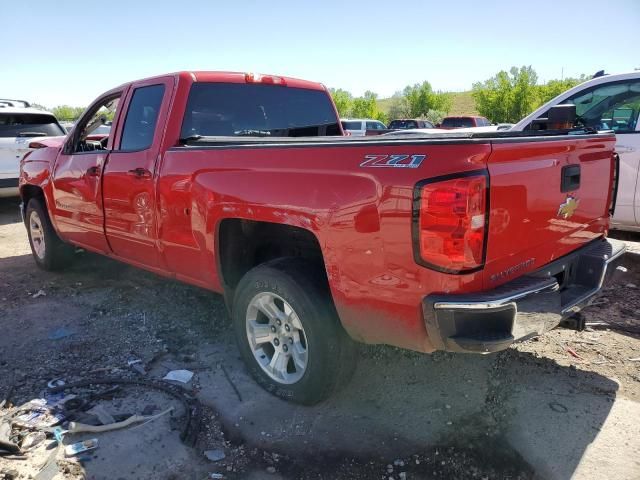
x=358, y=127
x=19, y=125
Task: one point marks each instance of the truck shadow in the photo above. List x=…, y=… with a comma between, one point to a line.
x=511, y=408
x=9, y=210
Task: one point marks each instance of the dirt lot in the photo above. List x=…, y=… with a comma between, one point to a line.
x=562, y=406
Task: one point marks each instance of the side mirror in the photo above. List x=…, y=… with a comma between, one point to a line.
x=559, y=117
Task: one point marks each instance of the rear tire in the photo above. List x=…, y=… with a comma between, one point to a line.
x=288, y=331
x=49, y=252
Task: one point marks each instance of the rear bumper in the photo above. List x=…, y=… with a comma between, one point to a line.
x=490, y=321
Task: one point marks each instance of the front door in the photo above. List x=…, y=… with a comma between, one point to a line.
x=129, y=177
x=76, y=178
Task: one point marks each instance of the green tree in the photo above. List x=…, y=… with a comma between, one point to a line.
x=435, y=116
x=421, y=98
x=553, y=88
x=343, y=101
x=67, y=113
x=508, y=96
x=367, y=107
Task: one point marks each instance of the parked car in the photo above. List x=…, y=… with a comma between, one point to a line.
x=358, y=127
x=407, y=123
x=20, y=124
x=609, y=102
x=244, y=185
x=466, y=121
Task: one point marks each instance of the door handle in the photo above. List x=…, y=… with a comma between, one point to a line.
x=570, y=179
x=93, y=171
x=140, y=173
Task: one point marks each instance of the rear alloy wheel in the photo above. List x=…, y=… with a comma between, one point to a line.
x=49, y=252
x=276, y=338
x=288, y=331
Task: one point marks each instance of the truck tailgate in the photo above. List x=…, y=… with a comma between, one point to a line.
x=547, y=198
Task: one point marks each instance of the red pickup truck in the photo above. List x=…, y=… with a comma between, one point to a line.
x=244, y=185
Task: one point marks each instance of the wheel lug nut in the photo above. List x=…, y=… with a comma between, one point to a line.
x=279, y=322
x=273, y=328
x=276, y=342
x=291, y=340
x=285, y=348
x=287, y=328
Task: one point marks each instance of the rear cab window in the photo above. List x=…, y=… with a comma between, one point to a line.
x=29, y=125
x=457, y=122
x=403, y=124
x=257, y=110
x=352, y=125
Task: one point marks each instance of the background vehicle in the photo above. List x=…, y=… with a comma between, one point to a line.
x=20, y=124
x=244, y=185
x=358, y=127
x=463, y=122
x=404, y=124
x=609, y=102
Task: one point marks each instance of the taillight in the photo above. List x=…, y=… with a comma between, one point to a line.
x=450, y=222
x=259, y=78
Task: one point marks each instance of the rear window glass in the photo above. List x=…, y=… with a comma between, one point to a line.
x=457, y=122
x=238, y=109
x=352, y=125
x=29, y=125
x=403, y=124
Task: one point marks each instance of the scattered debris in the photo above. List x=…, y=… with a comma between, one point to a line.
x=61, y=333
x=182, y=376
x=39, y=293
x=215, y=455
x=637, y=359
x=558, y=407
x=81, y=447
x=75, y=427
x=233, y=385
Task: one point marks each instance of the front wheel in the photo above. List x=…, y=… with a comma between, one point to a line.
x=288, y=332
x=49, y=252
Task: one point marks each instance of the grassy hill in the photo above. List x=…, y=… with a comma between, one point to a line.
x=463, y=104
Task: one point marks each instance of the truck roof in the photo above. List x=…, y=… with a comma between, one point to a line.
x=238, y=77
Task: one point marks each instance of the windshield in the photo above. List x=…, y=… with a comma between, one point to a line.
x=457, y=122
x=29, y=125
x=403, y=124
x=238, y=109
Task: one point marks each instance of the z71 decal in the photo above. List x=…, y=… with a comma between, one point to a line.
x=393, y=161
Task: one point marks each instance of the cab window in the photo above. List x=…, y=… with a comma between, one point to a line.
x=142, y=116
x=609, y=107
x=93, y=130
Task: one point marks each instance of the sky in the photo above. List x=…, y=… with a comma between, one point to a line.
x=69, y=52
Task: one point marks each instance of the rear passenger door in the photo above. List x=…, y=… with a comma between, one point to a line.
x=129, y=178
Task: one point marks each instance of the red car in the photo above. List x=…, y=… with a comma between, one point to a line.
x=467, y=121
x=244, y=185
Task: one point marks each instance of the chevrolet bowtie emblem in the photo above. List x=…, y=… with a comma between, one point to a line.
x=567, y=208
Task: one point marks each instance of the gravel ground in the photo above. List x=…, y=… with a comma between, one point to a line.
x=560, y=406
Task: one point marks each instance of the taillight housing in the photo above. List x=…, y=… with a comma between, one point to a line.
x=450, y=222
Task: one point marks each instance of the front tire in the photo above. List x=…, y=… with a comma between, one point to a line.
x=49, y=252
x=288, y=331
